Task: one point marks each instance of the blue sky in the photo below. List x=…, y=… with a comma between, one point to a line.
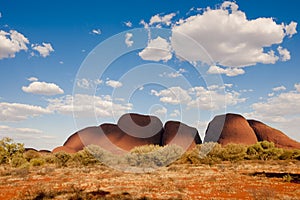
x=185, y=60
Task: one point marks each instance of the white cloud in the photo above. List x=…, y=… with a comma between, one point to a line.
x=284, y=104
x=284, y=54
x=195, y=97
x=271, y=94
x=12, y=130
x=87, y=84
x=166, y=19
x=88, y=106
x=0, y=14
x=281, y=111
x=128, y=24
x=96, y=31
x=297, y=86
x=276, y=89
x=161, y=111
x=213, y=99
x=12, y=43
x=175, y=113
x=230, y=71
x=32, y=79
x=173, y=74
x=173, y=95
x=158, y=49
x=229, y=38
x=18, y=112
x=128, y=40
x=43, y=88
x=44, y=50
x=290, y=29
x=113, y=83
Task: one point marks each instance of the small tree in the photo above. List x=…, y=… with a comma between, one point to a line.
x=9, y=150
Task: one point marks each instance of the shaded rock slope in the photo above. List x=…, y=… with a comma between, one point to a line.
x=134, y=130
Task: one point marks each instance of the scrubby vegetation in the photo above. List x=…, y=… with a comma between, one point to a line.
x=148, y=156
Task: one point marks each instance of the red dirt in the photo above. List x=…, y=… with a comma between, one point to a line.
x=220, y=181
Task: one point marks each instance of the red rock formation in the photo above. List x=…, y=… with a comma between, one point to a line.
x=132, y=130
x=180, y=134
x=265, y=132
x=230, y=128
x=63, y=149
x=145, y=127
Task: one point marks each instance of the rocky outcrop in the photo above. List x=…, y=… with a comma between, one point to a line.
x=132, y=130
x=180, y=134
x=265, y=132
x=230, y=128
x=136, y=130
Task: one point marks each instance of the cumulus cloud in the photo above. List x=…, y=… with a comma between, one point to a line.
x=88, y=106
x=166, y=19
x=12, y=130
x=297, y=86
x=206, y=99
x=284, y=54
x=128, y=24
x=128, y=40
x=96, y=31
x=43, y=88
x=160, y=112
x=281, y=111
x=44, y=50
x=87, y=84
x=173, y=95
x=32, y=79
x=230, y=39
x=279, y=88
x=230, y=71
x=11, y=43
x=173, y=74
x=175, y=113
x=158, y=49
x=290, y=29
x=19, y=112
x=113, y=83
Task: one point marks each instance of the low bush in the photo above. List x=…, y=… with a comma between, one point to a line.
x=264, y=151
x=18, y=161
x=233, y=152
x=83, y=157
x=37, y=162
x=30, y=154
x=9, y=150
x=61, y=158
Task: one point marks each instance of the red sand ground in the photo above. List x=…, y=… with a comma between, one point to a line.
x=220, y=181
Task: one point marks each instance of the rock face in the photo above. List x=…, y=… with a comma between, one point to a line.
x=180, y=134
x=141, y=129
x=265, y=132
x=132, y=130
x=230, y=128
x=136, y=130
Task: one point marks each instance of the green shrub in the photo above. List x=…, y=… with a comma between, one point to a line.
x=18, y=161
x=30, y=154
x=37, y=161
x=61, y=158
x=83, y=157
x=161, y=157
x=9, y=149
x=233, y=152
x=264, y=151
x=191, y=156
x=145, y=149
x=102, y=155
x=289, y=154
